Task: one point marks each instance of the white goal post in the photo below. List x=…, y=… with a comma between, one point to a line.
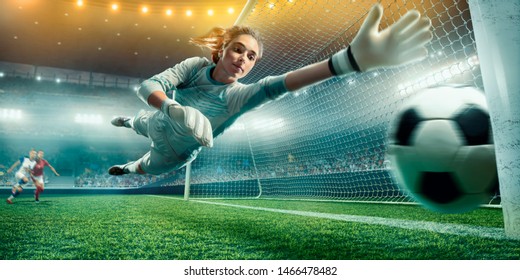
x=497, y=32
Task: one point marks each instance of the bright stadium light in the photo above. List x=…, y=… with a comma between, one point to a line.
x=440, y=76
x=238, y=126
x=10, y=114
x=269, y=124
x=88, y=118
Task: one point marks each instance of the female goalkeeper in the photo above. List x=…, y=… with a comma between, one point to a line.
x=206, y=97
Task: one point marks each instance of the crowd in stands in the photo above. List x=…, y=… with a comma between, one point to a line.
x=237, y=170
x=91, y=169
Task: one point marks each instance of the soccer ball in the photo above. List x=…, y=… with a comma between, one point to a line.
x=441, y=149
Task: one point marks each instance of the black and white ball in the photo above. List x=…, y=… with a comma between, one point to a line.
x=441, y=149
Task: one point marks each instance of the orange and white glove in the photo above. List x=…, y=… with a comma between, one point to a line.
x=401, y=43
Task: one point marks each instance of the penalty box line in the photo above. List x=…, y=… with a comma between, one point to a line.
x=443, y=228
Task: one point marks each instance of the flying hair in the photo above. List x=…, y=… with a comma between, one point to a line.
x=218, y=38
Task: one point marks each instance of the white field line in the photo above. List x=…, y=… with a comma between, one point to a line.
x=455, y=229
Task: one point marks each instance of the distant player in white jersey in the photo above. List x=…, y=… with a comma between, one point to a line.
x=198, y=98
x=23, y=174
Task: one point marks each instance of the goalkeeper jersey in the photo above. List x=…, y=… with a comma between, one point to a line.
x=190, y=84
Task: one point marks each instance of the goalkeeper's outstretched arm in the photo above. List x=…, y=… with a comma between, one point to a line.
x=401, y=43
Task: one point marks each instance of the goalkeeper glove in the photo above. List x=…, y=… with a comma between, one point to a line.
x=400, y=43
x=190, y=121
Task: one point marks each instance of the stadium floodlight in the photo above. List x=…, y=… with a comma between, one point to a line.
x=440, y=76
x=269, y=124
x=88, y=118
x=10, y=114
x=238, y=126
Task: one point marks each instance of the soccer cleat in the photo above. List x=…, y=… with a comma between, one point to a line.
x=118, y=170
x=9, y=201
x=120, y=121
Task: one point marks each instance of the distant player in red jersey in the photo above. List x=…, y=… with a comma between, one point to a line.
x=37, y=174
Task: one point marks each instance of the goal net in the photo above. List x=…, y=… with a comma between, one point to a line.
x=328, y=141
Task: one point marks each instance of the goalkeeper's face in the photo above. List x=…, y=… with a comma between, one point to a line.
x=239, y=57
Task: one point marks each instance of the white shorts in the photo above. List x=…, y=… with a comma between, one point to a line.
x=19, y=176
x=39, y=179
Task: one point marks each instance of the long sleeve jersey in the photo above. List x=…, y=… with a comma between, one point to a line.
x=190, y=84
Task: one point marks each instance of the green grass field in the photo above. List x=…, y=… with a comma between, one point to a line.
x=137, y=227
